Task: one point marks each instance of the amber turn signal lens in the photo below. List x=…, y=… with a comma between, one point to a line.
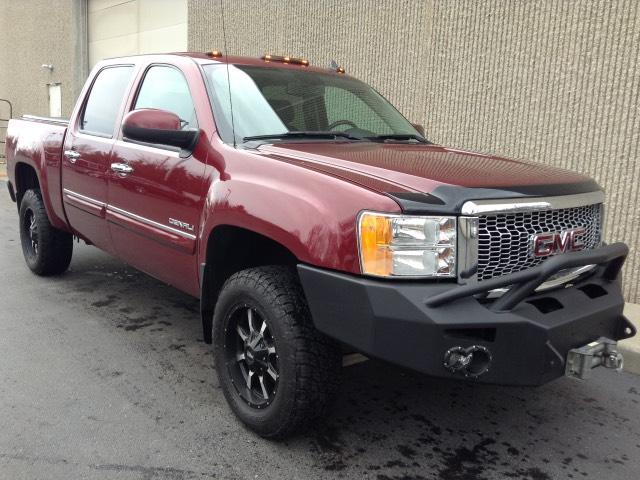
x=375, y=237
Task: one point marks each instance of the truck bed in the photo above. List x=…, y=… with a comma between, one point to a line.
x=53, y=120
x=37, y=143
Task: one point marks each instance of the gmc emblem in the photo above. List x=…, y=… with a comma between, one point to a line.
x=546, y=244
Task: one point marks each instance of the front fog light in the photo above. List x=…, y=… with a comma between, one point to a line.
x=407, y=246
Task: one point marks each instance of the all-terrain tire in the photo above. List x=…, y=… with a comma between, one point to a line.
x=308, y=362
x=47, y=250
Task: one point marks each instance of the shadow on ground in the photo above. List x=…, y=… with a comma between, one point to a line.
x=390, y=423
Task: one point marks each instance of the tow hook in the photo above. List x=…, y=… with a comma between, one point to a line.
x=470, y=362
x=603, y=352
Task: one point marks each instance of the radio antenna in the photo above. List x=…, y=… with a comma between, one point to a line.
x=226, y=54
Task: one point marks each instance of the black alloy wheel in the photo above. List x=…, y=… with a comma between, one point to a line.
x=47, y=250
x=252, y=359
x=30, y=226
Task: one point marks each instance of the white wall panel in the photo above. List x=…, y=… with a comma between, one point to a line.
x=156, y=14
x=168, y=39
x=129, y=27
x=114, y=21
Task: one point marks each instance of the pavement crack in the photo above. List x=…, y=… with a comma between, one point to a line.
x=149, y=473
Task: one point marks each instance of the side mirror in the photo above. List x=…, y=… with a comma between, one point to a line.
x=419, y=128
x=148, y=125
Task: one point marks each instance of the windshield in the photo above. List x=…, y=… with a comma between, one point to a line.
x=276, y=101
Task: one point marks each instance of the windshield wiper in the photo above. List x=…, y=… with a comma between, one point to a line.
x=302, y=134
x=400, y=137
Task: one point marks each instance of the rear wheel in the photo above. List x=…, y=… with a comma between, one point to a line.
x=277, y=372
x=47, y=250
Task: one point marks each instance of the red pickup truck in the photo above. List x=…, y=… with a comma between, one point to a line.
x=312, y=220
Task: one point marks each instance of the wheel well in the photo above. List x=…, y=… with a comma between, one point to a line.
x=26, y=179
x=231, y=249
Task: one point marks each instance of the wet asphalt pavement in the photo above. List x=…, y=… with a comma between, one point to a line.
x=104, y=375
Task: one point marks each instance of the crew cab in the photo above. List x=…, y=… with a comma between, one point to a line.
x=312, y=219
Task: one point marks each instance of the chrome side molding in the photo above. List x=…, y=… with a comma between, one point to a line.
x=149, y=222
x=71, y=195
x=76, y=196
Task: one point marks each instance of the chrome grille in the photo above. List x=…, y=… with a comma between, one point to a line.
x=504, y=239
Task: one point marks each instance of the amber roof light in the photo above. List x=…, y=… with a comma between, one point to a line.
x=285, y=59
x=214, y=54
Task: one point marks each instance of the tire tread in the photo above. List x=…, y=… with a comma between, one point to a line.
x=55, y=246
x=317, y=357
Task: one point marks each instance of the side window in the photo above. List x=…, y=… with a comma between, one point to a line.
x=105, y=98
x=165, y=88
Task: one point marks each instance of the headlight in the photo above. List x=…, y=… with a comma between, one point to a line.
x=406, y=245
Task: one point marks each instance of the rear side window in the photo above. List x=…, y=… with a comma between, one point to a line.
x=105, y=98
x=165, y=88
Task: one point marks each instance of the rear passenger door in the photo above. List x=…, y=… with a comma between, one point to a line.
x=86, y=155
x=154, y=211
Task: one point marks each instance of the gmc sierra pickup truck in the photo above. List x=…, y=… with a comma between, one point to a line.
x=312, y=219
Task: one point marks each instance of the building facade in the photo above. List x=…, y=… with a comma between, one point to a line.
x=554, y=81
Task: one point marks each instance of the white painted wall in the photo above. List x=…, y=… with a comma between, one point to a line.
x=55, y=100
x=129, y=27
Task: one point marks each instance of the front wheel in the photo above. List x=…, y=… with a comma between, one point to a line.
x=46, y=249
x=277, y=372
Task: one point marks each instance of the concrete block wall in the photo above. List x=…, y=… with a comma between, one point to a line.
x=545, y=80
x=37, y=32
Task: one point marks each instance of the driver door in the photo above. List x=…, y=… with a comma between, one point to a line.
x=155, y=194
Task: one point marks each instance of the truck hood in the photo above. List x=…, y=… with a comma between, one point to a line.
x=441, y=178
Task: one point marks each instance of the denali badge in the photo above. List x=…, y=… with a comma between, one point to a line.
x=546, y=244
x=180, y=224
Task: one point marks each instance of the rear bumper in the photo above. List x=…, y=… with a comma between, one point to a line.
x=528, y=334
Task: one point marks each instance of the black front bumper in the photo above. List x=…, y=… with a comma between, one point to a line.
x=528, y=333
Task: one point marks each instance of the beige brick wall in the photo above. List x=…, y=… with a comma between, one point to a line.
x=552, y=81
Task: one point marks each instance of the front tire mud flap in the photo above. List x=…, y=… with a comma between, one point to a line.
x=206, y=304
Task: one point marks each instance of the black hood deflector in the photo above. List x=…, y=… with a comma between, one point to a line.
x=448, y=199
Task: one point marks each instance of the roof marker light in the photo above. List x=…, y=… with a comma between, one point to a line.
x=214, y=54
x=285, y=59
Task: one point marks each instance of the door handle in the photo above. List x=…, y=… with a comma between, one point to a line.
x=71, y=155
x=121, y=168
